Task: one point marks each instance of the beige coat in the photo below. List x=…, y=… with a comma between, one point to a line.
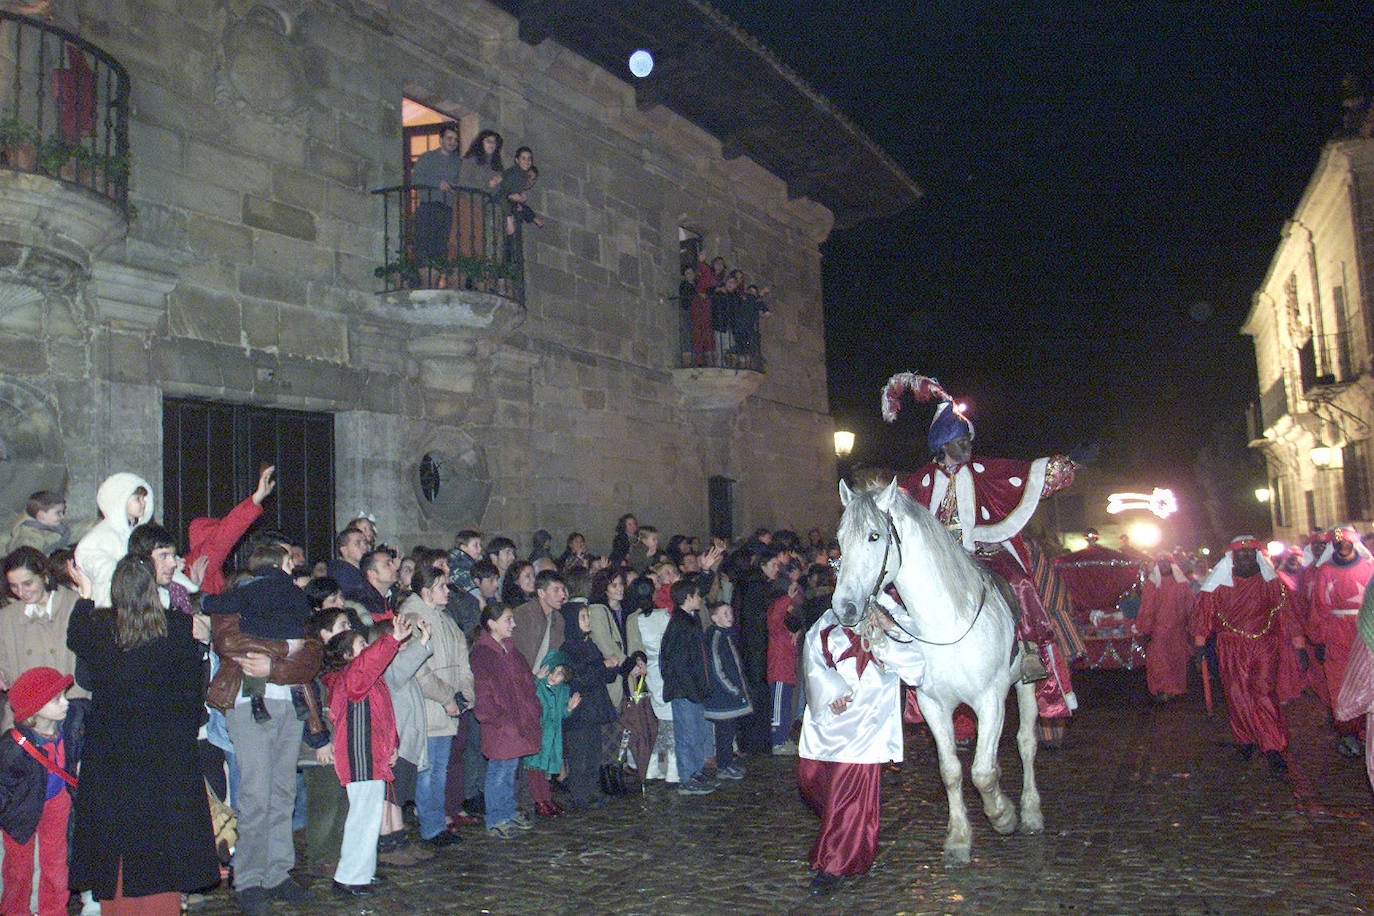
x=446, y=672
x=29, y=643
x=606, y=636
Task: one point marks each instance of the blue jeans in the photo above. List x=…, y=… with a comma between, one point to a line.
x=783, y=711
x=499, y=790
x=429, y=788
x=689, y=738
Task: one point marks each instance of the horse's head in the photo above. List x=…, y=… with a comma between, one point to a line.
x=870, y=550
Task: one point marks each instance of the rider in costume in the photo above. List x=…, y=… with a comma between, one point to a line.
x=985, y=502
x=851, y=727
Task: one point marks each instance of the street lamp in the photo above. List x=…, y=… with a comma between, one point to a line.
x=844, y=443
x=1321, y=455
x=1263, y=494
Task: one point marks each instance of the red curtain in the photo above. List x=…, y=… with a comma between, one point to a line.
x=74, y=88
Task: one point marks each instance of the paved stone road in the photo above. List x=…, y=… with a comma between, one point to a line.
x=1147, y=812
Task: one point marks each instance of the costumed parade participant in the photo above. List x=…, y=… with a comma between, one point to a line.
x=1338, y=588
x=1166, y=604
x=985, y=503
x=1249, y=606
x=1356, y=696
x=851, y=727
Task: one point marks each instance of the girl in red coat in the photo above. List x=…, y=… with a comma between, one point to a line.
x=365, y=744
x=783, y=636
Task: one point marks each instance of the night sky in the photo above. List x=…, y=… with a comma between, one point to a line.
x=1105, y=186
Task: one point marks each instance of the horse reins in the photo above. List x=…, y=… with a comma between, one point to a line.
x=871, y=604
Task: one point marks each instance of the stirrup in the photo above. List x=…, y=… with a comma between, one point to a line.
x=1032, y=668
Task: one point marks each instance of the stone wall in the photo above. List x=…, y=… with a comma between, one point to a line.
x=257, y=133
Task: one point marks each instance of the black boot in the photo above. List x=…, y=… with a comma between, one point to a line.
x=604, y=780
x=260, y=713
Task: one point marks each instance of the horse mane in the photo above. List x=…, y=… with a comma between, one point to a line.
x=954, y=567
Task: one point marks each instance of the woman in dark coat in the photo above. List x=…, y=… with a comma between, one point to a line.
x=588, y=779
x=142, y=816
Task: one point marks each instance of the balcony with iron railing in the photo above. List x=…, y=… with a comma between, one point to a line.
x=721, y=364
x=454, y=262
x=64, y=155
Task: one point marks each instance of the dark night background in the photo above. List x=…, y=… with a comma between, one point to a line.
x=1105, y=186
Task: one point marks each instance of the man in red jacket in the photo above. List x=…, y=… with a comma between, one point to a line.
x=214, y=538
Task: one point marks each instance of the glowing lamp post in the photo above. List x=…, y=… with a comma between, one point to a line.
x=1263, y=494
x=844, y=443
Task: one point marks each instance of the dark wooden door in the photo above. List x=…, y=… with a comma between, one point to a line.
x=211, y=456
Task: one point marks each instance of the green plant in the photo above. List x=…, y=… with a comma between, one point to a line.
x=14, y=132
x=54, y=153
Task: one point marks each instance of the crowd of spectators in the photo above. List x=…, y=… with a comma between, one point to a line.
x=381, y=702
x=720, y=316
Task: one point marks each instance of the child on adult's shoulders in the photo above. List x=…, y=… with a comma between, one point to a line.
x=43, y=524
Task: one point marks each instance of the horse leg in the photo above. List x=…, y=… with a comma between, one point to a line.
x=1032, y=820
x=959, y=836
x=987, y=775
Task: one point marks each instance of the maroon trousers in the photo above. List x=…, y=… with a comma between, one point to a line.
x=845, y=795
x=17, y=872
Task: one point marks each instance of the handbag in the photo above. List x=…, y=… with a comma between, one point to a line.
x=225, y=824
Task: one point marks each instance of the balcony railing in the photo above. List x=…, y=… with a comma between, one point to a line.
x=464, y=240
x=64, y=108
x=734, y=341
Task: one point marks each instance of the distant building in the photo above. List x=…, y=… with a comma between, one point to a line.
x=208, y=261
x=1312, y=322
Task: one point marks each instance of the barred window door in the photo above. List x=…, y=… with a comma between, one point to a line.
x=212, y=455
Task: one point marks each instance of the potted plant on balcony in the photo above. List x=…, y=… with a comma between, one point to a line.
x=18, y=144
x=57, y=157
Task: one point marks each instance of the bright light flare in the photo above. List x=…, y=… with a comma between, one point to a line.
x=1161, y=502
x=641, y=63
x=1145, y=534
x=1276, y=548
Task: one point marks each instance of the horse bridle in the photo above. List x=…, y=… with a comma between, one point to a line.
x=871, y=603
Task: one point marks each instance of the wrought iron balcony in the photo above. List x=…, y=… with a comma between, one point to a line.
x=64, y=108
x=465, y=242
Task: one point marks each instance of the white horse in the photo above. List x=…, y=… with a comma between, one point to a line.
x=958, y=612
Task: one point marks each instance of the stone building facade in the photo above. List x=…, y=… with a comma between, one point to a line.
x=1312, y=322
x=243, y=275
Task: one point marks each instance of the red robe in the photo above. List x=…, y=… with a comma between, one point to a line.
x=985, y=504
x=1337, y=592
x=1164, y=612
x=1252, y=620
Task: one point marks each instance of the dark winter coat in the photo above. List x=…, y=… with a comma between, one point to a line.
x=24, y=781
x=753, y=594
x=589, y=675
x=142, y=797
x=729, y=698
x=682, y=659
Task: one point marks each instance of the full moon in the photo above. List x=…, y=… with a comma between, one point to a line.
x=641, y=63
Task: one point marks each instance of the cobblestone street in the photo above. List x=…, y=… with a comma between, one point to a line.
x=1147, y=811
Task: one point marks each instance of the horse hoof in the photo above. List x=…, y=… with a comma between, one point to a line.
x=1032, y=825
x=957, y=856
x=1006, y=825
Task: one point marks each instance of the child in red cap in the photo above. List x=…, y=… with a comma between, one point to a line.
x=37, y=759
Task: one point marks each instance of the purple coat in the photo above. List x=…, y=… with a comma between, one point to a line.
x=506, y=705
